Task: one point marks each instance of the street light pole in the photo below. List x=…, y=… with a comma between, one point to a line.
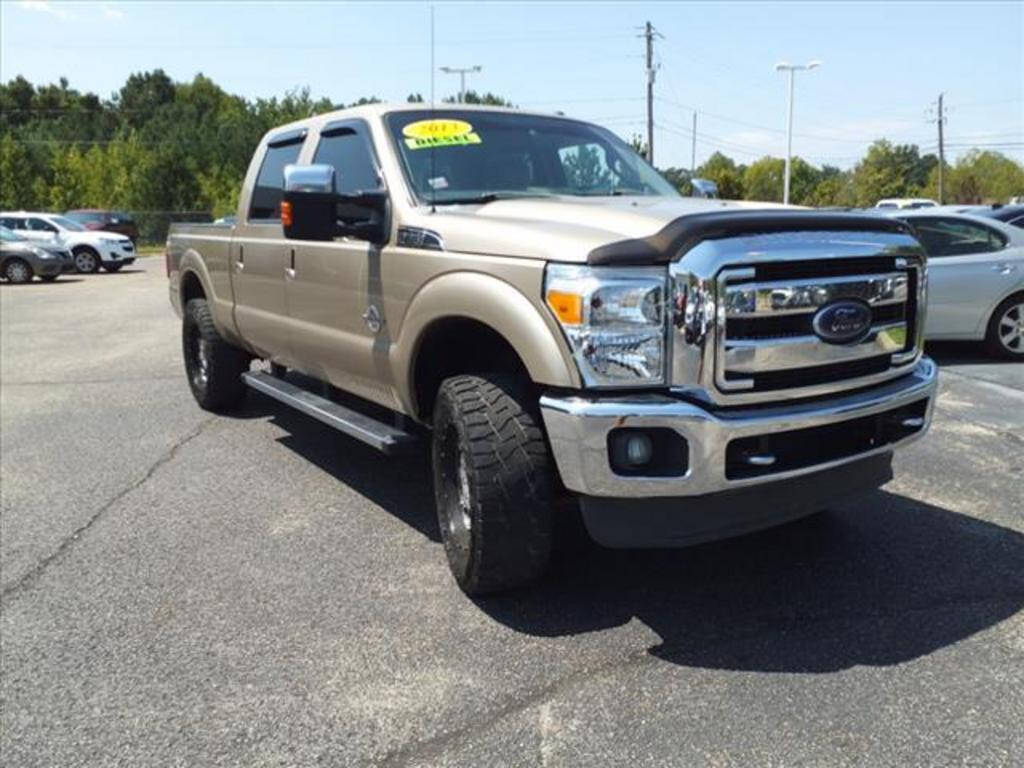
x=461, y=72
x=791, y=69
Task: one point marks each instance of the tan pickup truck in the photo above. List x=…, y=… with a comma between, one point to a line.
x=528, y=296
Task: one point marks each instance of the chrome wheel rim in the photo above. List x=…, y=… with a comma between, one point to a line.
x=455, y=502
x=199, y=360
x=1011, y=328
x=17, y=272
x=85, y=261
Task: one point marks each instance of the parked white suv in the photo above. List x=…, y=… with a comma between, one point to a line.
x=91, y=249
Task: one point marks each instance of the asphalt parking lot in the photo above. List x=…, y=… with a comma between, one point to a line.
x=194, y=590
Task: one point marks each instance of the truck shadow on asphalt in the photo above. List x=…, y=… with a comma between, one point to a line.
x=880, y=580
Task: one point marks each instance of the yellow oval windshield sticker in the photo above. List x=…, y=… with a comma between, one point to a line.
x=439, y=133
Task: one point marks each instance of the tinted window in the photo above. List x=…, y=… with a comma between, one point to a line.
x=38, y=225
x=956, y=237
x=12, y=222
x=266, y=196
x=1018, y=222
x=350, y=154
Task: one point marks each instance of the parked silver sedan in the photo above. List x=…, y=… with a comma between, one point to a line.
x=975, y=279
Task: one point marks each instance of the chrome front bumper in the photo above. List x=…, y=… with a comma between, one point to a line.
x=578, y=430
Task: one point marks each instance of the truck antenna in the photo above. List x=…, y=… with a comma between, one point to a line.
x=433, y=149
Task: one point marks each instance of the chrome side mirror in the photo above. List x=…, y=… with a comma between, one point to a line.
x=310, y=178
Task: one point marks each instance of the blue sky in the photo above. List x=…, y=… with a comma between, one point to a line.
x=884, y=63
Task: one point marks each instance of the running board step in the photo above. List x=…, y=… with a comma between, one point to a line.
x=377, y=434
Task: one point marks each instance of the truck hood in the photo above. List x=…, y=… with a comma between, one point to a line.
x=559, y=228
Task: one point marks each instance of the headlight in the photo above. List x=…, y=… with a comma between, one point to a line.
x=614, y=319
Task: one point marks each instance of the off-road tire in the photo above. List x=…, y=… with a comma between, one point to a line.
x=17, y=271
x=993, y=342
x=213, y=367
x=493, y=483
x=82, y=255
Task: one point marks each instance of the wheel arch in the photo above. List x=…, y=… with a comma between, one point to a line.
x=459, y=322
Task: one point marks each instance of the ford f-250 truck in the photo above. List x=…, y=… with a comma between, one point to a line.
x=529, y=296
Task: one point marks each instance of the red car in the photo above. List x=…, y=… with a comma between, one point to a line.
x=108, y=221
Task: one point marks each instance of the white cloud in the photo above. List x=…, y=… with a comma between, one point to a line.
x=110, y=11
x=41, y=6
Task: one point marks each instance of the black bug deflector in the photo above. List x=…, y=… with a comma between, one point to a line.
x=682, y=234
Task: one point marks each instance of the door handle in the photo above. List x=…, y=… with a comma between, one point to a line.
x=240, y=263
x=289, y=271
x=1005, y=268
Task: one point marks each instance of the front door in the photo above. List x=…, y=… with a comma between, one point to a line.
x=260, y=254
x=338, y=329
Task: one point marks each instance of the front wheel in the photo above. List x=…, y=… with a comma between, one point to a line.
x=493, y=483
x=213, y=366
x=17, y=271
x=87, y=261
x=1005, y=333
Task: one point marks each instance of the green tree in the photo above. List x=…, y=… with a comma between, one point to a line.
x=890, y=170
x=725, y=173
x=979, y=177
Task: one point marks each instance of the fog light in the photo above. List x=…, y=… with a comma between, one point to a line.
x=638, y=449
x=647, y=452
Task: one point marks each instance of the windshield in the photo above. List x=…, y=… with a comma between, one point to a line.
x=7, y=236
x=66, y=223
x=464, y=156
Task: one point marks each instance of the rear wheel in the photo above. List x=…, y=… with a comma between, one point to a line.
x=493, y=483
x=214, y=367
x=17, y=271
x=1005, y=335
x=87, y=261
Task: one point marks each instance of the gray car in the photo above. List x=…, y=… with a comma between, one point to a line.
x=21, y=259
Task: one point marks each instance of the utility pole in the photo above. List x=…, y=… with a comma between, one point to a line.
x=693, y=147
x=649, y=34
x=942, y=154
x=791, y=68
x=461, y=72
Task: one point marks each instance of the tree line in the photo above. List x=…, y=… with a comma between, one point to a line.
x=157, y=146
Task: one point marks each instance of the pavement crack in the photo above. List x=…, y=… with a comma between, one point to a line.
x=28, y=578
x=424, y=751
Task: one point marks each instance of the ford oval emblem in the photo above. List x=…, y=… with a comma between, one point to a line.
x=842, y=322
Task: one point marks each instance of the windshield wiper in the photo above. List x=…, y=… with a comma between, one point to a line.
x=488, y=197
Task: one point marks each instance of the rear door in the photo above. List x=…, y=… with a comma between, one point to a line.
x=260, y=254
x=333, y=288
x=969, y=267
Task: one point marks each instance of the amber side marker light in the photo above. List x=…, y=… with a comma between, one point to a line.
x=286, y=214
x=568, y=307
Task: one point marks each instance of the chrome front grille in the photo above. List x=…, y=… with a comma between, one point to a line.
x=768, y=328
x=745, y=310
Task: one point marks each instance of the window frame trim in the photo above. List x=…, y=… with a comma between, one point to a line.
x=360, y=128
